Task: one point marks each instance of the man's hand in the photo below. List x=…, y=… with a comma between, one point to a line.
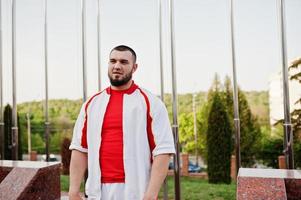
x=158, y=174
x=78, y=167
x=150, y=197
x=74, y=196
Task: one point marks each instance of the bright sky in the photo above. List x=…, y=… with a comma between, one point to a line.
x=202, y=40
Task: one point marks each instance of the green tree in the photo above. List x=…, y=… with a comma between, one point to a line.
x=203, y=113
x=7, y=132
x=228, y=96
x=202, y=126
x=249, y=132
x=218, y=142
x=271, y=146
x=228, y=100
x=295, y=69
x=215, y=87
x=20, y=141
x=37, y=143
x=186, y=132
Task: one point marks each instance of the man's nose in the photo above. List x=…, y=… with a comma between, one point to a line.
x=117, y=65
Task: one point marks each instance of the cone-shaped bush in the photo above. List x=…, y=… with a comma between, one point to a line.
x=219, y=141
x=7, y=133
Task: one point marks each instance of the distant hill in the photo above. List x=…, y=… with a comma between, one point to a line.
x=62, y=115
x=258, y=102
x=63, y=112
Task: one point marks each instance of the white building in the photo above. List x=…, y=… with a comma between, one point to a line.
x=276, y=95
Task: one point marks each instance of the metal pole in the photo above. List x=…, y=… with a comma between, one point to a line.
x=161, y=50
x=288, y=133
x=235, y=95
x=84, y=51
x=174, y=105
x=165, y=183
x=98, y=45
x=195, y=130
x=14, y=111
x=47, y=123
x=1, y=90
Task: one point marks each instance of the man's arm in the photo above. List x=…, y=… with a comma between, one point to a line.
x=158, y=174
x=78, y=166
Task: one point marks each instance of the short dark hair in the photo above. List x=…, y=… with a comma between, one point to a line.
x=125, y=48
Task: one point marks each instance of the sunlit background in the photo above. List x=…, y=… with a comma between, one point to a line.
x=202, y=39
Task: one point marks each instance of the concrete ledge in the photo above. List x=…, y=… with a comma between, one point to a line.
x=270, y=184
x=29, y=180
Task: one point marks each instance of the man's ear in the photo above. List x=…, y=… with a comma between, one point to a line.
x=135, y=67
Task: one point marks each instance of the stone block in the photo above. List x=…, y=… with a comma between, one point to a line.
x=26, y=180
x=272, y=184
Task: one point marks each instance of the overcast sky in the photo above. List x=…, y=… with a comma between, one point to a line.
x=202, y=40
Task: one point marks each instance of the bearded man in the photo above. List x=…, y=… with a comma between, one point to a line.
x=122, y=136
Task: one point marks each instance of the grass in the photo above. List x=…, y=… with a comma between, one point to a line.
x=191, y=189
x=65, y=184
x=196, y=189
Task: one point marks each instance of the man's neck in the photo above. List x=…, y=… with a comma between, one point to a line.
x=123, y=87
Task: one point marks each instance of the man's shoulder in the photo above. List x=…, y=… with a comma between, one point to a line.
x=94, y=96
x=152, y=98
x=149, y=93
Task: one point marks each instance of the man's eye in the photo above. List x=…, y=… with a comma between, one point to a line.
x=124, y=62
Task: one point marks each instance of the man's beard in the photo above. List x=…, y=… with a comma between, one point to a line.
x=120, y=82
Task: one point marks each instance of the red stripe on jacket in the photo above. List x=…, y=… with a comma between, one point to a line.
x=84, y=142
x=150, y=135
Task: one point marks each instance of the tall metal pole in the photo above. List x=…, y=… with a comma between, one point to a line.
x=1, y=90
x=195, y=130
x=235, y=95
x=84, y=53
x=165, y=184
x=47, y=123
x=288, y=133
x=98, y=45
x=161, y=50
x=84, y=50
x=14, y=111
x=174, y=105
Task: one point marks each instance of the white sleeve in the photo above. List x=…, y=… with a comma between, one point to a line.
x=161, y=128
x=78, y=132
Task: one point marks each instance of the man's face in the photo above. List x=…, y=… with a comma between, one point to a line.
x=121, y=67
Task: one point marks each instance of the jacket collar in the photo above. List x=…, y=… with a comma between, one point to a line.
x=127, y=91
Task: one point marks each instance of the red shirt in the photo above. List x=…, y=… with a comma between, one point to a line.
x=111, y=150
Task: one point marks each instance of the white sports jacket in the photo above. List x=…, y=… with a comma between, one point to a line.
x=146, y=133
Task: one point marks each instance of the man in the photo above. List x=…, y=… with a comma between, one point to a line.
x=123, y=136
